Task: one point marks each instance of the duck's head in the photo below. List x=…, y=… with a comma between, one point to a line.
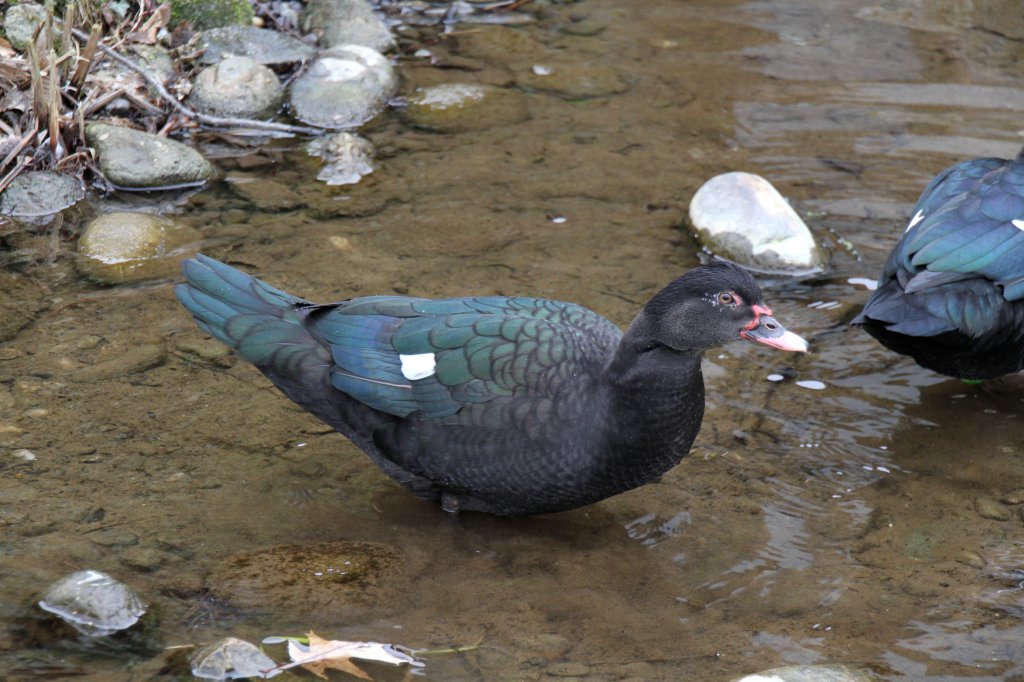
x=711, y=305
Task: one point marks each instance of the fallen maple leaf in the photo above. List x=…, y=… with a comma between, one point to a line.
x=332, y=654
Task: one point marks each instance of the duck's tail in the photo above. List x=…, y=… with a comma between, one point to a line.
x=264, y=324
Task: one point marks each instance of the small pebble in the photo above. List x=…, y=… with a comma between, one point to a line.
x=87, y=342
x=341, y=243
x=811, y=384
x=143, y=559
x=24, y=455
x=919, y=586
x=989, y=508
x=113, y=537
x=132, y=361
x=580, y=670
x=775, y=377
x=972, y=559
x=207, y=349
x=1015, y=496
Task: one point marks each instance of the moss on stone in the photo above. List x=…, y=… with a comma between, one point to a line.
x=206, y=14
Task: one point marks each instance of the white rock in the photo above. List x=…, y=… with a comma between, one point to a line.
x=93, y=603
x=345, y=88
x=740, y=216
x=811, y=673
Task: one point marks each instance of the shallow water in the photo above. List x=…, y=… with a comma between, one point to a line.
x=858, y=511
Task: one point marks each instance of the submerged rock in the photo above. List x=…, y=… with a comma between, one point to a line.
x=258, y=44
x=461, y=107
x=93, y=603
x=347, y=158
x=740, y=216
x=237, y=86
x=574, y=80
x=40, y=193
x=22, y=303
x=345, y=88
x=811, y=673
x=329, y=577
x=130, y=247
x=132, y=159
x=231, y=659
x=347, y=22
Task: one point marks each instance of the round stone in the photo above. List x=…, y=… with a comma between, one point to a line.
x=740, y=216
x=93, y=603
x=131, y=158
x=230, y=659
x=348, y=86
x=237, y=86
x=130, y=247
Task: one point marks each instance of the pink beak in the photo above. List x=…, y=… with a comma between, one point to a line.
x=767, y=330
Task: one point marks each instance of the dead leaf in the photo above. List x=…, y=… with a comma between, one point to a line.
x=322, y=654
x=147, y=33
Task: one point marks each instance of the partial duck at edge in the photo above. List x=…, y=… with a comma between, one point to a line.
x=951, y=294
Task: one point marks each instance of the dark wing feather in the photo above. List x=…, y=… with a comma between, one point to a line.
x=483, y=348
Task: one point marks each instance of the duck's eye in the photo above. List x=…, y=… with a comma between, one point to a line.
x=725, y=298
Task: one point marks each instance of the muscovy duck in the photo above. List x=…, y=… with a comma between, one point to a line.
x=951, y=294
x=510, y=406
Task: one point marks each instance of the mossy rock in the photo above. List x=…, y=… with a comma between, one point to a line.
x=206, y=14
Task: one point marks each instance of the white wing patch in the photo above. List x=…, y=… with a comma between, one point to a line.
x=418, y=366
x=918, y=217
x=1019, y=224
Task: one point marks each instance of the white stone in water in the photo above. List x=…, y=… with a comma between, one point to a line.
x=93, y=603
x=740, y=216
x=25, y=455
x=232, y=659
x=347, y=157
x=810, y=673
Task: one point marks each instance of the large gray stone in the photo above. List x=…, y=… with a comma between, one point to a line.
x=345, y=88
x=21, y=21
x=237, y=86
x=261, y=45
x=40, y=193
x=347, y=22
x=137, y=160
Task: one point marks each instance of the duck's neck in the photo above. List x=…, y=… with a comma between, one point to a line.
x=655, y=407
